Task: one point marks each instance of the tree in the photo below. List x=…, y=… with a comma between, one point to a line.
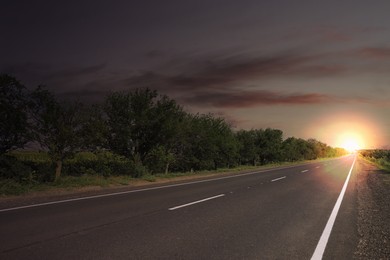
x=269, y=143
x=247, y=149
x=94, y=130
x=13, y=117
x=141, y=123
x=208, y=143
x=294, y=149
x=56, y=126
x=167, y=123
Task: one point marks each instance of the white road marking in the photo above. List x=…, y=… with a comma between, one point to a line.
x=305, y=171
x=317, y=167
x=145, y=189
x=319, y=251
x=196, y=202
x=277, y=179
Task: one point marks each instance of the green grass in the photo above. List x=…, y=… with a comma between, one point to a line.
x=11, y=187
x=382, y=164
x=381, y=158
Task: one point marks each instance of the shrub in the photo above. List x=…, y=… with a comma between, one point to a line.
x=12, y=168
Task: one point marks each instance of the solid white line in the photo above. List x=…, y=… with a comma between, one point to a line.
x=196, y=202
x=319, y=251
x=277, y=179
x=145, y=189
x=305, y=171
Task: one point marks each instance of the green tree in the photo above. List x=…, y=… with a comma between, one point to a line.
x=269, y=143
x=56, y=126
x=143, y=123
x=247, y=148
x=294, y=149
x=208, y=143
x=167, y=125
x=13, y=117
x=94, y=130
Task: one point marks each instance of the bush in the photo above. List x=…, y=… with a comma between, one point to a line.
x=102, y=163
x=12, y=168
x=379, y=157
x=139, y=171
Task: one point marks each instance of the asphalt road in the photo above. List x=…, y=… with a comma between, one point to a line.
x=274, y=214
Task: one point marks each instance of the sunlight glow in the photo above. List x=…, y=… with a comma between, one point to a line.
x=346, y=130
x=351, y=142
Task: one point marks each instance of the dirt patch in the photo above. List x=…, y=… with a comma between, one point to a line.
x=374, y=212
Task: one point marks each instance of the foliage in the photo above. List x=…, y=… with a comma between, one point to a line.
x=94, y=130
x=248, y=149
x=142, y=125
x=56, y=126
x=12, y=168
x=207, y=142
x=379, y=157
x=13, y=116
x=269, y=142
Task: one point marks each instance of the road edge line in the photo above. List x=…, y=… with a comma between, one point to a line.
x=320, y=249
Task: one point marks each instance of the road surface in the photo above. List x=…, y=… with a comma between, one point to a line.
x=274, y=214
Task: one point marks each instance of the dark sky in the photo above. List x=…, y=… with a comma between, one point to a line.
x=310, y=68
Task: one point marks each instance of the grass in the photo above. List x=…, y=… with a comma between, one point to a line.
x=10, y=187
x=380, y=158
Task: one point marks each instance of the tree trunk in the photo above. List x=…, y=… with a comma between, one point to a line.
x=166, y=168
x=58, y=169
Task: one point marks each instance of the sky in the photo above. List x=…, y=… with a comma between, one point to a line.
x=313, y=69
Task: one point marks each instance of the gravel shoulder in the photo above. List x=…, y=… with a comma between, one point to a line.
x=373, y=211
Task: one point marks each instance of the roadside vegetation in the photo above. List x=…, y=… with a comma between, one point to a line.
x=379, y=157
x=132, y=135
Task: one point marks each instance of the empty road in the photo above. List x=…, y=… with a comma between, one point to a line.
x=273, y=214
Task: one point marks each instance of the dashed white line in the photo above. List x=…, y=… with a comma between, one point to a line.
x=305, y=171
x=277, y=179
x=317, y=167
x=195, y=202
x=320, y=249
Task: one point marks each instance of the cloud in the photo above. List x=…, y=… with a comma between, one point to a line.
x=222, y=73
x=33, y=73
x=374, y=53
x=245, y=99
x=78, y=71
x=220, y=81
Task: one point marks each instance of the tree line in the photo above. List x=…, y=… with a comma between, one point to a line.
x=149, y=130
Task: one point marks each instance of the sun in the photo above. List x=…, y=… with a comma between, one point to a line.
x=350, y=145
x=349, y=130
x=351, y=142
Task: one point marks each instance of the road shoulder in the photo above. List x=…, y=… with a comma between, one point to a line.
x=373, y=212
